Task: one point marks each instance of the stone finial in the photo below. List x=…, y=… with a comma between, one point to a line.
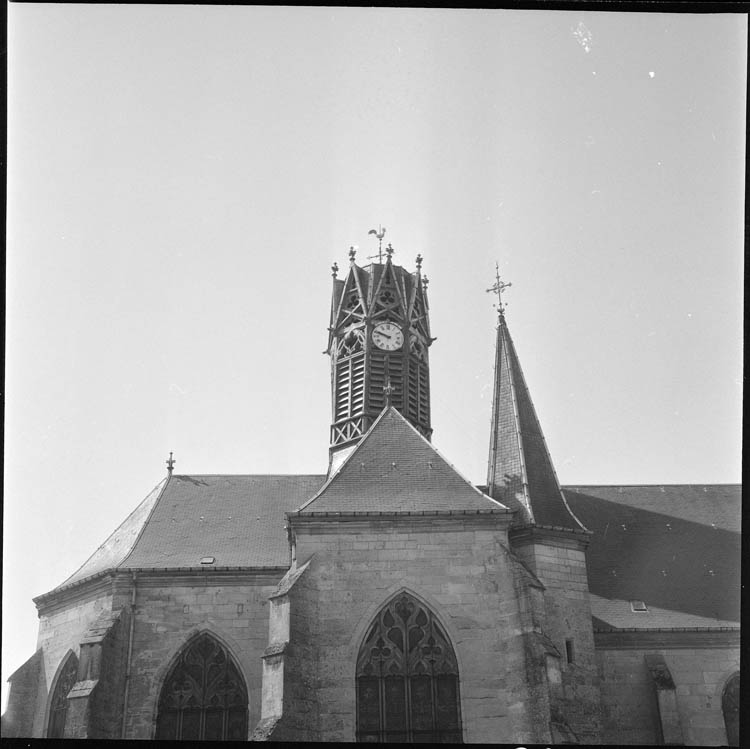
x=389, y=251
x=419, y=262
x=170, y=463
x=334, y=269
x=388, y=391
x=425, y=282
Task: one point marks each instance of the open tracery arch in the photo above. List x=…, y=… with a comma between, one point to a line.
x=58, y=706
x=407, y=677
x=204, y=696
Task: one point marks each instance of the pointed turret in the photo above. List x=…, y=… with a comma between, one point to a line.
x=520, y=471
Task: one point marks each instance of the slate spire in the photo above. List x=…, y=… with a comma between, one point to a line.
x=520, y=472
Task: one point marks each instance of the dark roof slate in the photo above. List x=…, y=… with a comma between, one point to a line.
x=239, y=520
x=677, y=548
x=395, y=469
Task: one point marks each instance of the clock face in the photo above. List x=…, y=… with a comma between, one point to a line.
x=387, y=336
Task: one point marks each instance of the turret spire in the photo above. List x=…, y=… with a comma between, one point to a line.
x=520, y=473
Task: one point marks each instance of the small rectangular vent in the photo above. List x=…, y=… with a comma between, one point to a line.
x=638, y=606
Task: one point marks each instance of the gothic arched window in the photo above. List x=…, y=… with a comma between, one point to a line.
x=730, y=706
x=407, y=678
x=58, y=708
x=204, y=695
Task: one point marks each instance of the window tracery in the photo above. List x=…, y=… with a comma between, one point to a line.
x=407, y=678
x=730, y=706
x=204, y=696
x=59, y=705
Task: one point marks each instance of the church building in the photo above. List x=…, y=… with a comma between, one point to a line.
x=390, y=599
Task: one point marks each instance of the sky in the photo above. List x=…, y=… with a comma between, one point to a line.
x=181, y=178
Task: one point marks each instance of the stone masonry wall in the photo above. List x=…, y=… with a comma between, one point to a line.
x=61, y=628
x=462, y=570
x=170, y=610
x=629, y=700
x=562, y=570
x=18, y=718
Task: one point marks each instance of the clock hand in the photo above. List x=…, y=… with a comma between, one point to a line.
x=380, y=332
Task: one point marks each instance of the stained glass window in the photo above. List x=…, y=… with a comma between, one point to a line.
x=730, y=706
x=204, y=695
x=59, y=705
x=407, y=678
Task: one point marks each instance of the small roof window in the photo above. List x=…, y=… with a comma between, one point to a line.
x=638, y=606
x=208, y=560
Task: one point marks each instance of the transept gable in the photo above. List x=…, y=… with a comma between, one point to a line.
x=395, y=469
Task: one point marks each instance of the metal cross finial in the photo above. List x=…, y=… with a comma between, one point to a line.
x=170, y=463
x=419, y=262
x=379, y=233
x=388, y=390
x=498, y=288
x=335, y=269
x=352, y=253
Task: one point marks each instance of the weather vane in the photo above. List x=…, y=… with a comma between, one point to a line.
x=379, y=233
x=498, y=288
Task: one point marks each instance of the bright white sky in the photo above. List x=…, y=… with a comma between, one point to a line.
x=182, y=178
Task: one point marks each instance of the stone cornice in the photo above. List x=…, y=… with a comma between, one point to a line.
x=105, y=581
x=719, y=637
x=568, y=537
x=421, y=521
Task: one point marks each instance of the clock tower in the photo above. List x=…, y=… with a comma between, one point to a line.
x=378, y=342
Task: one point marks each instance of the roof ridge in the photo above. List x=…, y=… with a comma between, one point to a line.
x=143, y=527
x=346, y=460
x=244, y=475
x=448, y=462
x=165, y=481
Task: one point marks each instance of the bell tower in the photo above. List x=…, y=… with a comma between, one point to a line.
x=378, y=342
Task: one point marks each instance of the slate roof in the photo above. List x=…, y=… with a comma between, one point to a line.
x=615, y=614
x=520, y=471
x=677, y=548
x=394, y=469
x=119, y=544
x=239, y=520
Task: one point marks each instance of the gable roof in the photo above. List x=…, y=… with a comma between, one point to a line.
x=677, y=548
x=520, y=470
x=394, y=469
